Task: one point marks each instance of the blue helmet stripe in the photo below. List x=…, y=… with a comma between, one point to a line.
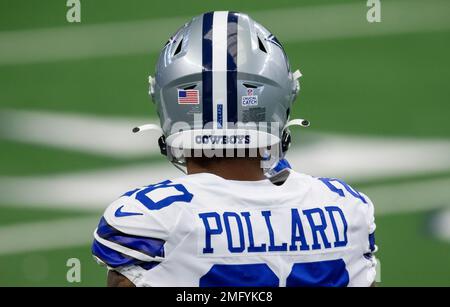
x=207, y=103
x=232, y=45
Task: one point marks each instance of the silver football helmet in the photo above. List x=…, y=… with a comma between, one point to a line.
x=222, y=82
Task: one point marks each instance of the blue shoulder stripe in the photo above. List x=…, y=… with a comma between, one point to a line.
x=372, y=241
x=148, y=246
x=116, y=259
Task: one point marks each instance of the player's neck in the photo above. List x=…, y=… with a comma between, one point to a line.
x=245, y=169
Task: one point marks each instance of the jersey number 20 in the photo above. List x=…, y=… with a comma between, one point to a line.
x=330, y=273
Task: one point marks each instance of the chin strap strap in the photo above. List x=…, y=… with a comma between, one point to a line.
x=297, y=122
x=286, y=134
x=161, y=143
x=161, y=140
x=148, y=127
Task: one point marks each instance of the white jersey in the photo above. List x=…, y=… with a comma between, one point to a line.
x=203, y=230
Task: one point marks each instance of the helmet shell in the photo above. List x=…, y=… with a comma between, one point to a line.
x=234, y=71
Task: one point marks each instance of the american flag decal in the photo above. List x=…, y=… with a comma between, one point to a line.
x=188, y=97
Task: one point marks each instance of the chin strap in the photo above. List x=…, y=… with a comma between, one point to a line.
x=297, y=122
x=161, y=140
x=148, y=127
x=161, y=143
x=286, y=135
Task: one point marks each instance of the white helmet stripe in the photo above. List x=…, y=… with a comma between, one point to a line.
x=219, y=68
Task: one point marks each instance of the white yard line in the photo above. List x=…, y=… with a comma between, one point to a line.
x=298, y=24
x=40, y=236
x=91, y=190
x=68, y=232
x=110, y=137
x=414, y=196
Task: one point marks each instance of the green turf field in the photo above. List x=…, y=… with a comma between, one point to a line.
x=388, y=82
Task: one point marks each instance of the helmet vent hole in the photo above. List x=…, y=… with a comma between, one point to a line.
x=168, y=42
x=190, y=87
x=248, y=85
x=261, y=45
x=178, y=50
